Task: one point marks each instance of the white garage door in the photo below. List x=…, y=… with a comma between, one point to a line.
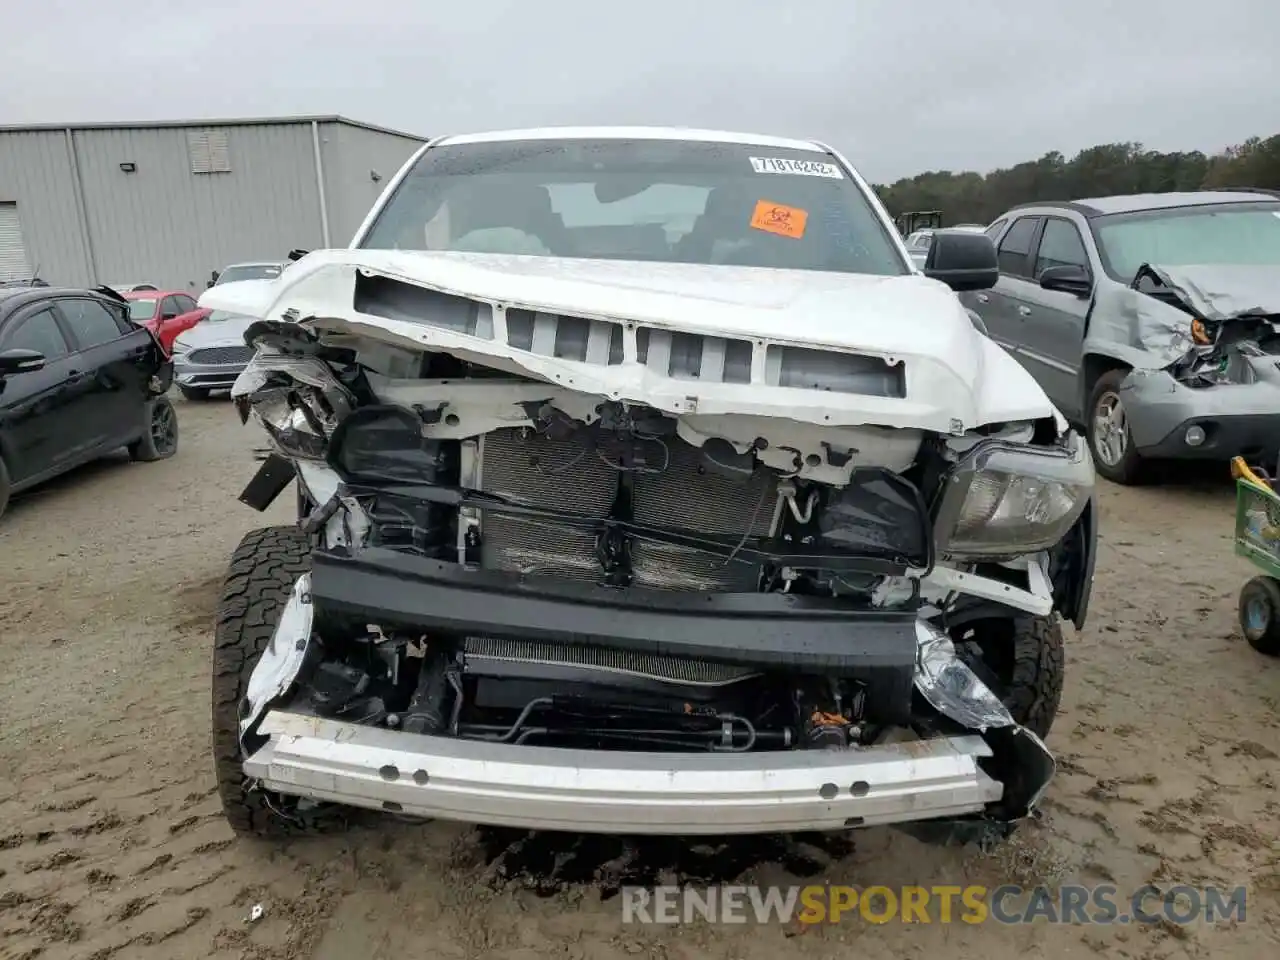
x=13, y=255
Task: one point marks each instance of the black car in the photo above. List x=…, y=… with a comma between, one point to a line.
x=78, y=380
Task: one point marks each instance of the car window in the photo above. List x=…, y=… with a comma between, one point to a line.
x=1015, y=246
x=993, y=231
x=91, y=323
x=120, y=313
x=668, y=201
x=169, y=307
x=39, y=332
x=141, y=310
x=1060, y=246
x=250, y=271
x=185, y=303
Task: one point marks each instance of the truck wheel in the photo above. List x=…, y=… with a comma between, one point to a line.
x=1259, y=614
x=263, y=571
x=1021, y=661
x=159, y=439
x=1107, y=428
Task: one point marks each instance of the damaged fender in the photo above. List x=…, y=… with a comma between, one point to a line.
x=282, y=660
x=951, y=688
x=1147, y=325
x=1148, y=332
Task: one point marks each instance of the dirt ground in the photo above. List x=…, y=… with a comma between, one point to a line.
x=112, y=843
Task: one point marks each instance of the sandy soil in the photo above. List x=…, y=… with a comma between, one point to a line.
x=112, y=844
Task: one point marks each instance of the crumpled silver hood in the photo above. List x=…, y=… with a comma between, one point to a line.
x=1224, y=292
x=1151, y=334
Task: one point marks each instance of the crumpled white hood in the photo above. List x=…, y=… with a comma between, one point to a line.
x=956, y=379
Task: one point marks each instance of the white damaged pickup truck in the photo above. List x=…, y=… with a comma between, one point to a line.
x=644, y=487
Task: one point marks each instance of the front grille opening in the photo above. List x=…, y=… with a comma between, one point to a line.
x=567, y=338
x=694, y=356
x=827, y=370
x=395, y=300
x=217, y=355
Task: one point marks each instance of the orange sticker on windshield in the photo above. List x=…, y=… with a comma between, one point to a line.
x=782, y=220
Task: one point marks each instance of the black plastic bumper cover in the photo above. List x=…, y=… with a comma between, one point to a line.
x=770, y=631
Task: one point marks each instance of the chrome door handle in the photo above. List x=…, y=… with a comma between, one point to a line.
x=1024, y=311
x=983, y=298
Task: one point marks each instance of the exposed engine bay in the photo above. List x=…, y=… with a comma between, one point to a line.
x=507, y=562
x=619, y=502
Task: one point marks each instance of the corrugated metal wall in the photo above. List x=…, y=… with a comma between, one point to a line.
x=35, y=174
x=164, y=223
x=351, y=155
x=13, y=249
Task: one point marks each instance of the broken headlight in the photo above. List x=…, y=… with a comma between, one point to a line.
x=1005, y=500
x=295, y=423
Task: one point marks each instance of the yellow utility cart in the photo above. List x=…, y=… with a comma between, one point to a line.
x=1258, y=539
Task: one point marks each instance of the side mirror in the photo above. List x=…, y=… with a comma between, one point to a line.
x=19, y=360
x=962, y=260
x=295, y=255
x=1068, y=278
x=168, y=315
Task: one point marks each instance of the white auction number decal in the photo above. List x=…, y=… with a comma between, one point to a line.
x=799, y=168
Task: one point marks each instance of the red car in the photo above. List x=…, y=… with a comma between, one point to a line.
x=166, y=313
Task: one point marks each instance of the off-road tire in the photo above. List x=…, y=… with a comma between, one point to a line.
x=1262, y=594
x=194, y=394
x=263, y=570
x=1131, y=469
x=4, y=487
x=149, y=447
x=1026, y=656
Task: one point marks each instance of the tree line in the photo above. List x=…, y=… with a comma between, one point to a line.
x=1113, y=168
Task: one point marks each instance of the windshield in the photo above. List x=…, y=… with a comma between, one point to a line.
x=655, y=200
x=250, y=271
x=142, y=309
x=1246, y=234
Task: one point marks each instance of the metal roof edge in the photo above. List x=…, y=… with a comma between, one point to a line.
x=208, y=122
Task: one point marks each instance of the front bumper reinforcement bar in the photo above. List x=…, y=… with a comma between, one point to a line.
x=549, y=788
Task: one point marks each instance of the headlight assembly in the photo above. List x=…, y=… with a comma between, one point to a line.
x=1005, y=500
x=296, y=427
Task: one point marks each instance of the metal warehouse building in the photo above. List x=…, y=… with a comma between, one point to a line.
x=167, y=203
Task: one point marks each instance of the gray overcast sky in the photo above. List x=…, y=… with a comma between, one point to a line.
x=900, y=86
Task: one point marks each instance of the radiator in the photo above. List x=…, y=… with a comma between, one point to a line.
x=570, y=475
